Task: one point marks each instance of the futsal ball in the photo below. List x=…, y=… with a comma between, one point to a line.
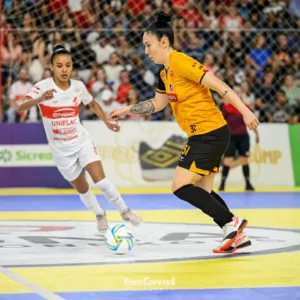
x=119, y=239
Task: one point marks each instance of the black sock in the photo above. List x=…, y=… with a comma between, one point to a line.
x=225, y=172
x=219, y=199
x=222, y=202
x=203, y=200
x=246, y=172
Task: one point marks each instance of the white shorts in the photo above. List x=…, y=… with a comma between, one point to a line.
x=71, y=166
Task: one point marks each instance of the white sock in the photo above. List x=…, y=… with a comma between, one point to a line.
x=90, y=201
x=111, y=194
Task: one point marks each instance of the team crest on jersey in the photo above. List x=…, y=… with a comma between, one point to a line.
x=75, y=101
x=171, y=87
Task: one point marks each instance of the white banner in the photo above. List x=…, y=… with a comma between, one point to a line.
x=270, y=160
x=145, y=154
x=25, y=156
x=130, y=157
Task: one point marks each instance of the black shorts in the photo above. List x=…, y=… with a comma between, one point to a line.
x=202, y=153
x=238, y=144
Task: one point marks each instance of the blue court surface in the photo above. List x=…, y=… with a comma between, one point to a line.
x=157, y=201
x=50, y=249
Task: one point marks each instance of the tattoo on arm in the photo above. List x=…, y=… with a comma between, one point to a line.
x=226, y=92
x=143, y=108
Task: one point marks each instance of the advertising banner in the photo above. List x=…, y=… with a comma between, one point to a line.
x=146, y=154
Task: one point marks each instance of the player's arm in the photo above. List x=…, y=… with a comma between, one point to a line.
x=97, y=109
x=214, y=83
x=29, y=102
x=158, y=103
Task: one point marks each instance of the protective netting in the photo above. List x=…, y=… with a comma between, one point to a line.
x=253, y=45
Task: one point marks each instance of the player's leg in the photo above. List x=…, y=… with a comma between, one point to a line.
x=206, y=183
x=197, y=160
x=90, y=201
x=244, y=148
x=89, y=159
x=70, y=169
x=241, y=240
x=228, y=162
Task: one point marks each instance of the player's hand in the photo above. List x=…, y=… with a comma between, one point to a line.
x=113, y=126
x=115, y=114
x=48, y=95
x=250, y=120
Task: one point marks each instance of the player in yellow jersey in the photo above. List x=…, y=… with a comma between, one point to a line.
x=185, y=83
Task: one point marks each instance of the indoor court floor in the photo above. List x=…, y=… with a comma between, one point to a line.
x=50, y=248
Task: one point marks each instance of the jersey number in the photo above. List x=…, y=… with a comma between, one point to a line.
x=193, y=128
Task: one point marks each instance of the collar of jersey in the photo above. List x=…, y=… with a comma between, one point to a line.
x=62, y=91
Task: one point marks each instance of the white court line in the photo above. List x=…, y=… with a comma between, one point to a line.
x=35, y=288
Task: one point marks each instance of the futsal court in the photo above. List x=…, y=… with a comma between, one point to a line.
x=50, y=248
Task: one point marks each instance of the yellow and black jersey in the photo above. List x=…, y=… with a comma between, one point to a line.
x=192, y=103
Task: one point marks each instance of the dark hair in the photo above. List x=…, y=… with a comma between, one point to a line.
x=161, y=27
x=59, y=49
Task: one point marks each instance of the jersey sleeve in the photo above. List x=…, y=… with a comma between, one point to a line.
x=191, y=69
x=35, y=92
x=160, y=86
x=85, y=96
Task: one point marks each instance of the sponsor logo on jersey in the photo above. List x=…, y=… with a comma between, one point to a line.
x=172, y=97
x=61, y=112
x=64, y=113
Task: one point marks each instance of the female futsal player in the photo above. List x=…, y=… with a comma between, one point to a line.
x=185, y=83
x=240, y=142
x=73, y=150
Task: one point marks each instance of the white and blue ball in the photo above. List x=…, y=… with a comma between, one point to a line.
x=119, y=239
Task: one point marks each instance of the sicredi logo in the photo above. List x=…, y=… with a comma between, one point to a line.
x=64, y=113
x=25, y=155
x=5, y=155
x=155, y=242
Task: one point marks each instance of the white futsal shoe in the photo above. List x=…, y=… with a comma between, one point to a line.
x=102, y=224
x=129, y=216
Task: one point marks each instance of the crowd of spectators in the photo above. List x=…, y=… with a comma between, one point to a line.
x=254, y=44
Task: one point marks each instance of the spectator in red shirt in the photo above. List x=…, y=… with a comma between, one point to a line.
x=192, y=16
x=240, y=143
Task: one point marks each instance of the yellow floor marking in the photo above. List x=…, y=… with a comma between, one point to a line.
x=262, y=271
x=277, y=218
x=7, y=285
x=137, y=190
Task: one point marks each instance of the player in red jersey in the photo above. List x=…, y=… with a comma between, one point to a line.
x=239, y=143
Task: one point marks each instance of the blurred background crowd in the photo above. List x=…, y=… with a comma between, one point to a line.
x=252, y=45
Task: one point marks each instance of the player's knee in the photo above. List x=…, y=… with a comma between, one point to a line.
x=82, y=189
x=183, y=191
x=228, y=161
x=205, y=186
x=244, y=160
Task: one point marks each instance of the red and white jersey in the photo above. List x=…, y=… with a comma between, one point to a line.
x=60, y=115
